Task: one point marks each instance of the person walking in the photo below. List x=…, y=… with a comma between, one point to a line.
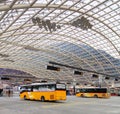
x=9, y=92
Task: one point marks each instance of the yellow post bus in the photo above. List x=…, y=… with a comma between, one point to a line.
x=43, y=91
x=93, y=92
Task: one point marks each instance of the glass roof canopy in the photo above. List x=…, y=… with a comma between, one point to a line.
x=27, y=47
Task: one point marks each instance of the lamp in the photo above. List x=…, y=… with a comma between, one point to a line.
x=78, y=73
x=4, y=55
x=38, y=20
x=31, y=48
x=53, y=68
x=9, y=60
x=5, y=78
x=44, y=24
x=53, y=26
x=34, y=21
x=95, y=76
x=47, y=24
x=58, y=26
x=116, y=79
x=2, y=1
x=82, y=23
x=107, y=78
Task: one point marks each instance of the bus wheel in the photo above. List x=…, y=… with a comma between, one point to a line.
x=25, y=98
x=42, y=98
x=82, y=95
x=95, y=96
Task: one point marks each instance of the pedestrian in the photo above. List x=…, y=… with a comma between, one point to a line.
x=9, y=92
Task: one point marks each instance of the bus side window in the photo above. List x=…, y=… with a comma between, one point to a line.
x=35, y=88
x=40, y=88
x=77, y=90
x=23, y=89
x=51, y=87
x=48, y=87
x=29, y=89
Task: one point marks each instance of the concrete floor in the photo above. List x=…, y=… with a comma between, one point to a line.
x=73, y=105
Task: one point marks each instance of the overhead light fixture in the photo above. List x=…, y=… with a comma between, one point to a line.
x=95, y=76
x=58, y=27
x=2, y=1
x=9, y=60
x=53, y=26
x=44, y=24
x=77, y=84
x=4, y=78
x=43, y=81
x=107, y=78
x=68, y=82
x=31, y=48
x=4, y=55
x=116, y=79
x=47, y=24
x=53, y=68
x=78, y=73
x=34, y=21
x=82, y=23
x=38, y=20
x=28, y=80
x=17, y=76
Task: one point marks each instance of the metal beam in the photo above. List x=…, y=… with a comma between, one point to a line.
x=64, y=65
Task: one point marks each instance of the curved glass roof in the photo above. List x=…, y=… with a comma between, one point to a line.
x=25, y=44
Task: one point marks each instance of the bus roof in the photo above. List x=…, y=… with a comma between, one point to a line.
x=93, y=88
x=46, y=83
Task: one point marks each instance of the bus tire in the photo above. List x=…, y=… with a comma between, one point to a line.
x=43, y=99
x=82, y=95
x=95, y=96
x=25, y=97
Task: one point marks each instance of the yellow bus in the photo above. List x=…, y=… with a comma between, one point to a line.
x=93, y=92
x=43, y=91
